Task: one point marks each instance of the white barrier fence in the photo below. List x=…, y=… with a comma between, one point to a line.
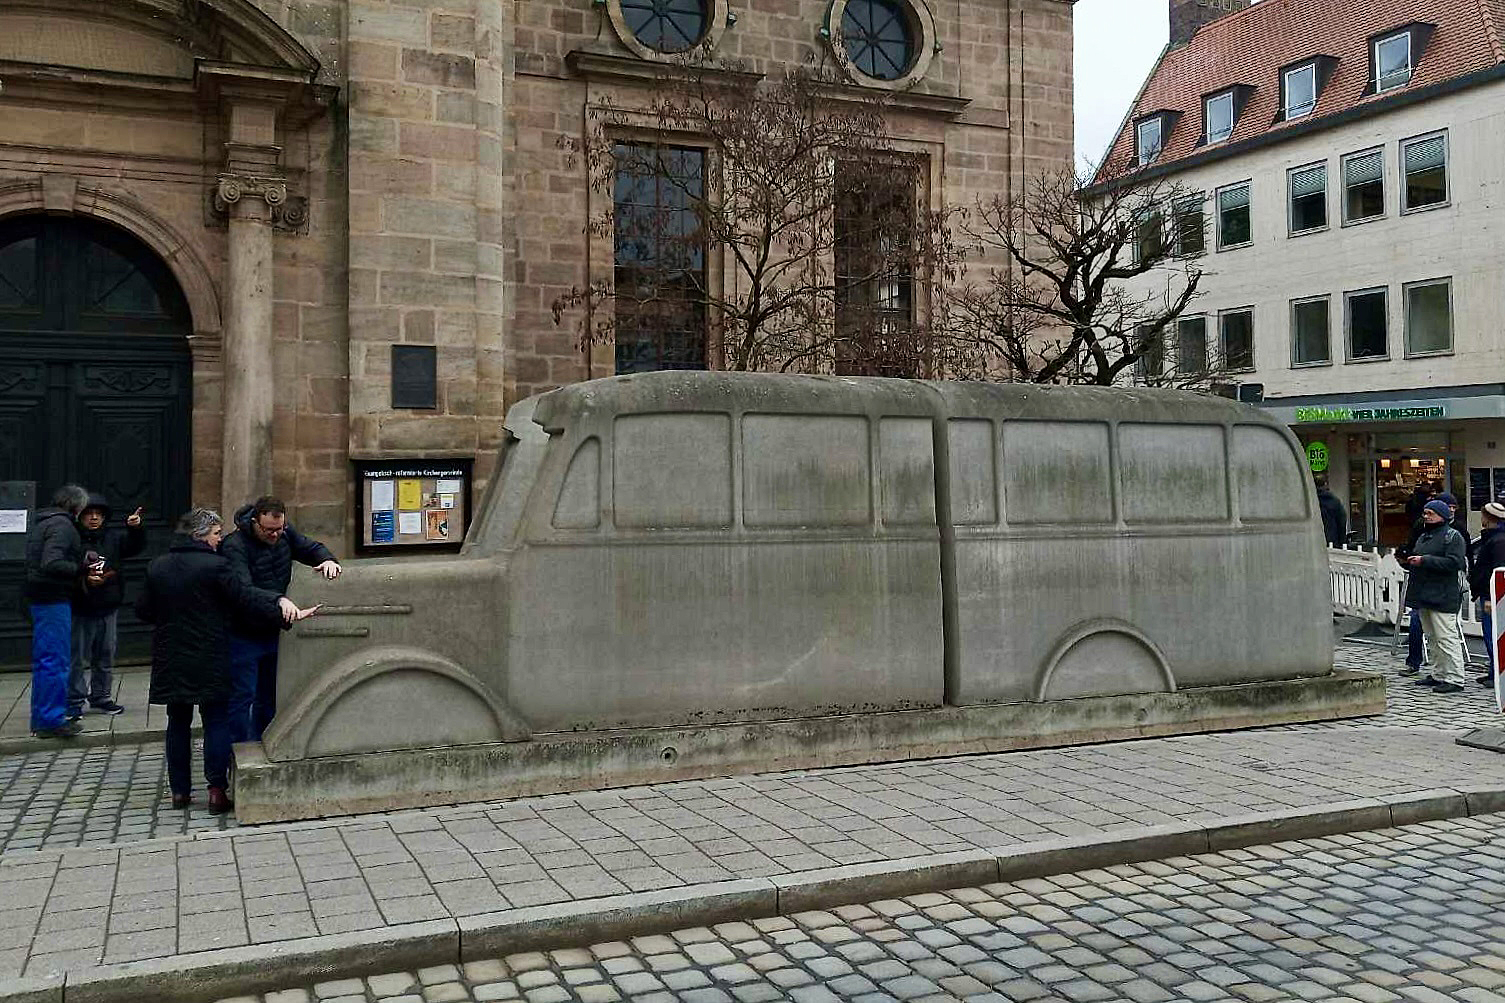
x=1367, y=584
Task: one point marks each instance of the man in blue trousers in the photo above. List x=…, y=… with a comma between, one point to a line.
x=54, y=561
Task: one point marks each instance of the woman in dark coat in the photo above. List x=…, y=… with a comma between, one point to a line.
x=190, y=595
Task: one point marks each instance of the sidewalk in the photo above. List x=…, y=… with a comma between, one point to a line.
x=139, y=721
x=423, y=884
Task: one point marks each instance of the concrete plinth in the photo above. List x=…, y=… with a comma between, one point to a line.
x=268, y=791
x=1491, y=739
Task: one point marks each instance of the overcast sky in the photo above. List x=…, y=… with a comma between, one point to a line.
x=1117, y=41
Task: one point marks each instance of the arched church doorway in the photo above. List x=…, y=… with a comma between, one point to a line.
x=95, y=386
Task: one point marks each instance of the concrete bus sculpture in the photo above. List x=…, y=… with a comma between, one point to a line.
x=680, y=574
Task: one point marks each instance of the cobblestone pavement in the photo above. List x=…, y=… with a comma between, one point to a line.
x=1396, y=914
x=93, y=796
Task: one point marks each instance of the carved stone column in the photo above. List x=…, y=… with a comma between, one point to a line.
x=250, y=202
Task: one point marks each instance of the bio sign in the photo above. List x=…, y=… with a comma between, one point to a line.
x=1318, y=415
x=1316, y=457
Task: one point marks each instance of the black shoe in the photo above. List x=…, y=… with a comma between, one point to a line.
x=1447, y=688
x=1410, y=670
x=109, y=707
x=1486, y=681
x=68, y=729
x=1427, y=681
x=74, y=714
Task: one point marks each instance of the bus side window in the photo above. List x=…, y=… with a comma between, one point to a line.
x=805, y=470
x=974, y=472
x=1173, y=473
x=1271, y=481
x=579, y=504
x=672, y=471
x=1056, y=471
x=905, y=447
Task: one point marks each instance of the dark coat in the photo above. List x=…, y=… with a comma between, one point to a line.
x=189, y=596
x=1417, y=502
x=267, y=565
x=1436, y=583
x=1334, y=519
x=114, y=545
x=1488, y=555
x=54, y=557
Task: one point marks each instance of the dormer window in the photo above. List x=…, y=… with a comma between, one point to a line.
x=1300, y=91
x=1392, y=62
x=1151, y=139
x=1217, y=113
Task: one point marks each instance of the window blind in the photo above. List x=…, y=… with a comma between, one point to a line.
x=1425, y=154
x=1311, y=181
x=1233, y=198
x=1362, y=170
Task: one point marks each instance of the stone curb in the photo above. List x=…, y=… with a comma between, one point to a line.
x=22, y=744
x=194, y=978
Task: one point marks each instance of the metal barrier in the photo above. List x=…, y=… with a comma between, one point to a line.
x=1370, y=585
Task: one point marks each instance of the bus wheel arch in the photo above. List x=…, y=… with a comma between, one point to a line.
x=1104, y=657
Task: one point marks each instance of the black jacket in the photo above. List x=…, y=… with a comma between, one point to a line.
x=1436, y=584
x=267, y=565
x=1334, y=519
x=114, y=545
x=54, y=557
x=190, y=595
x=1488, y=555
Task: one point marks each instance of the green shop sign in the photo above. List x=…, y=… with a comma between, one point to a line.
x=1316, y=457
x=1319, y=415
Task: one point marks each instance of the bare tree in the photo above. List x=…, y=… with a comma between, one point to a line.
x=1089, y=289
x=768, y=218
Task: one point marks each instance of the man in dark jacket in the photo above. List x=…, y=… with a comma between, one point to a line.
x=261, y=552
x=1435, y=591
x=1334, y=518
x=54, y=559
x=190, y=596
x=1489, y=554
x=96, y=605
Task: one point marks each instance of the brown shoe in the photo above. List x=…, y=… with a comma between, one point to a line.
x=181, y=800
x=219, y=801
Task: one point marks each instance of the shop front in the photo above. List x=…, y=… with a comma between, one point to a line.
x=1377, y=453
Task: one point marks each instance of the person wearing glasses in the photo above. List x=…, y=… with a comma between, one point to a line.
x=261, y=553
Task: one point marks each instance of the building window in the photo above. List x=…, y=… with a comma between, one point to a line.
x=1190, y=227
x=879, y=37
x=1368, y=324
x=660, y=258
x=1151, y=363
x=1217, y=112
x=1363, y=186
x=1308, y=187
x=1429, y=317
x=1236, y=331
x=1191, y=346
x=667, y=25
x=1233, y=216
x=875, y=282
x=1392, y=62
x=1150, y=139
x=1311, y=341
x=1425, y=162
x=1301, y=91
x=1149, y=235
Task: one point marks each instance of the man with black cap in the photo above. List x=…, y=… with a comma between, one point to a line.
x=96, y=605
x=1435, y=592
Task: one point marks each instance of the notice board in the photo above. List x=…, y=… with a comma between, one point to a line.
x=403, y=505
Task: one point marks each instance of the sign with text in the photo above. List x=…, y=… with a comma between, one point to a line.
x=1321, y=415
x=412, y=504
x=1317, y=457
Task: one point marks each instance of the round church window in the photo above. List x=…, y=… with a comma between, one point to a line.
x=879, y=37
x=667, y=26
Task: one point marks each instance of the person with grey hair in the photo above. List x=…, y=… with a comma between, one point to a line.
x=54, y=560
x=191, y=593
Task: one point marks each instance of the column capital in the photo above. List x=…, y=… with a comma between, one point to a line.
x=260, y=197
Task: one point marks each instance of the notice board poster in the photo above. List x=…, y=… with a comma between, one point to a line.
x=403, y=505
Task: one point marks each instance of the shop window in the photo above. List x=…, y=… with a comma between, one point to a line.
x=1363, y=186
x=1425, y=163
x=1217, y=112
x=1429, y=317
x=660, y=257
x=1191, y=346
x=1236, y=333
x=1188, y=228
x=1311, y=341
x=1234, y=228
x=1368, y=324
x=1308, y=187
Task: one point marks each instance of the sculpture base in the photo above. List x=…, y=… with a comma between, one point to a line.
x=268, y=791
x=1490, y=739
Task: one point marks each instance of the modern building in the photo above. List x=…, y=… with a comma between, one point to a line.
x=1346, y=159
x=309, y=246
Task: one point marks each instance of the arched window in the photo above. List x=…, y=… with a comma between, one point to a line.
x=879, y=37
x=668, y=25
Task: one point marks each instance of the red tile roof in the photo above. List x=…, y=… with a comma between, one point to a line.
x=1252, y=45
